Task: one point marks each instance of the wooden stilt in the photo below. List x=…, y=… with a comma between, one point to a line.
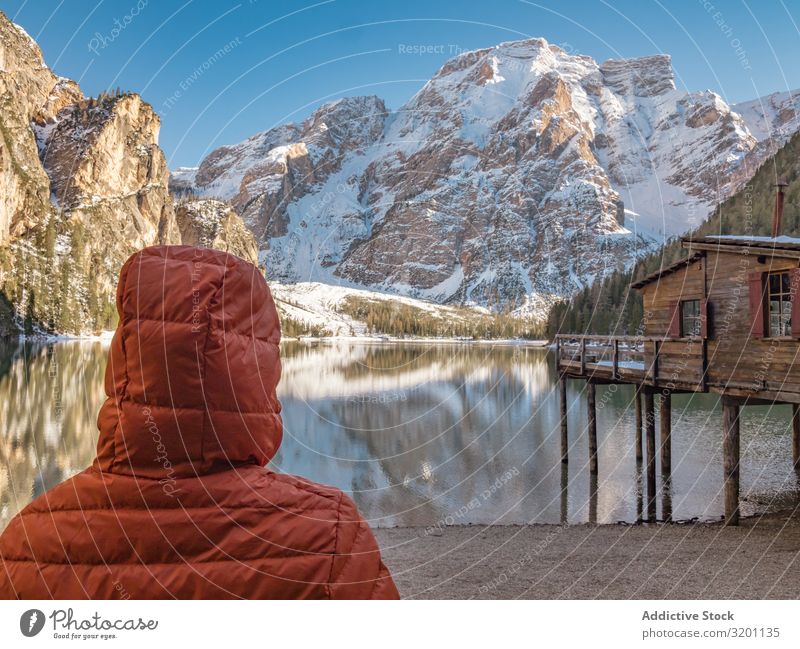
x=592, y=429
x=666, y=500
x=666, y=435
x=730, y=450
x=564, y=494
x=593, y=499
x=639, y=494
x=796, y=436
x=650, y=425
x=638, y=441
x=564, y=437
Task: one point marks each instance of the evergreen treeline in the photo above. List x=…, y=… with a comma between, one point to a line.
x=390, y=318
x=57, y=292
x=291, y=328
x=610, y=306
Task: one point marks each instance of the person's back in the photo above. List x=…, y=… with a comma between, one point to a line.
x=178, y=502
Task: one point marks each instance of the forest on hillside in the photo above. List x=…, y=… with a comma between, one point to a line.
x=390, y=318
x=610, y=306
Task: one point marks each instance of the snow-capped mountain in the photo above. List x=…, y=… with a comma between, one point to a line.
x=517, y=173
x=773, y=117
x=772, y=120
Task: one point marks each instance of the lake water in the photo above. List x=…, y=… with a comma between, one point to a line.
x=419, y=434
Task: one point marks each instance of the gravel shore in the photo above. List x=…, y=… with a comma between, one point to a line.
x=758, y=559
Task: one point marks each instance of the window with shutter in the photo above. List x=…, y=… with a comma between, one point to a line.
x=674, y=330
x=690, y=318
x=794, y=275
x=779, y=299
x=756, y=294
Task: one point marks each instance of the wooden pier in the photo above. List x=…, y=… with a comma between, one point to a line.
x=726, y=320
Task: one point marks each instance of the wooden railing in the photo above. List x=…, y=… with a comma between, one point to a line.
x=648, y=359
x=613, y=352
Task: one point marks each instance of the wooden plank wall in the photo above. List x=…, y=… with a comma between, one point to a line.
x=680, y=360
x=735, y=358
x=680, y=363
x=660, y=296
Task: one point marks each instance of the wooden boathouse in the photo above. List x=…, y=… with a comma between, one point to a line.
x=724, y=319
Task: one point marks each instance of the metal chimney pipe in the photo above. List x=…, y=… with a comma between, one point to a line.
x=777, y=214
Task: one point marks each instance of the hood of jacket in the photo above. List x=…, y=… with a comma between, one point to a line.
x=193, y=367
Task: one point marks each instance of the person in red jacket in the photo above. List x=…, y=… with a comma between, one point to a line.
x=178, y=502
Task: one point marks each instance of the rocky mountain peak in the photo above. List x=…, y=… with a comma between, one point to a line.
x=29, y=92
x=518, y=173
x=102, y=148
x=351, y=122
x=33, y=86
x=646, y=76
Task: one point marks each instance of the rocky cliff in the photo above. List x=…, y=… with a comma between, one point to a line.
x=31, y=95
x=213, y=224
x=83, y=184
x=516, y=174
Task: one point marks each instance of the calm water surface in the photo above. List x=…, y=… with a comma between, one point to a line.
x=419, y=434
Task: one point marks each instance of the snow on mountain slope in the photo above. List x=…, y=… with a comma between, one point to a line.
x=517, y=174
x=774, y=116
x=316, y=304
x=181, y=180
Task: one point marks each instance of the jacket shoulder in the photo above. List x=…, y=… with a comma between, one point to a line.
x=300, y=487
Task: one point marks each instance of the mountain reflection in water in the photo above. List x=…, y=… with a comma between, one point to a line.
x=420, y=434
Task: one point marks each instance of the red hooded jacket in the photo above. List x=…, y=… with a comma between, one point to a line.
x=178, y=502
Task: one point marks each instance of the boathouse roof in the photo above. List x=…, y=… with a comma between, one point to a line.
x=774, y=245
x=782, y=245
x=666, y=270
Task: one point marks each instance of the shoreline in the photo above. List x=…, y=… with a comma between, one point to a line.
x=422, y=340
x=106, y=336
x=684, y=560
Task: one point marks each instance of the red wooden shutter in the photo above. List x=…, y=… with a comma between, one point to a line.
x=794, y=282
x=704, y=328
x=756, y=304
x=674, y=330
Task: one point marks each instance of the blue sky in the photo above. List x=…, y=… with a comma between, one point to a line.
x=281, y=59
